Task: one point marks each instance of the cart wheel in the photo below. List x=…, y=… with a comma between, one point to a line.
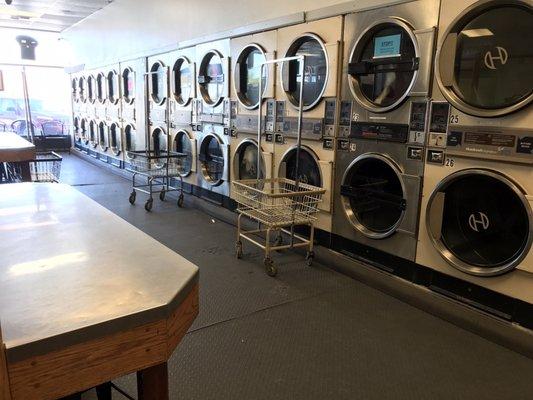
x=148, y=205
x=162, y=194
x=133, y=196
x=180, y=200
x=270, y=268
x=309, y=257
x=238, y=249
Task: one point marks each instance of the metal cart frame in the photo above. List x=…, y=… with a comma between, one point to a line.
x=277, y=203
x=156, y=166
x=158, y=169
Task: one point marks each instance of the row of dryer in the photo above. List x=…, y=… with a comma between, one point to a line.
x=416, y=120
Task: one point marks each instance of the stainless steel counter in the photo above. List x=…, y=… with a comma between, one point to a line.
x=70, y=271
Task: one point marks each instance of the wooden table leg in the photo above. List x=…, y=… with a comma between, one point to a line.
x=152, y=383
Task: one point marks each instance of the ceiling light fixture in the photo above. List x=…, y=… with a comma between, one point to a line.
x=13, y=12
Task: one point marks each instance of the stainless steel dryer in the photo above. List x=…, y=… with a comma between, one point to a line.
x=386, y=87
x=250, y=52
x=112, y=111
x=182, y=94
x=92, y=147
x=212, y=116
x=91, y=96
x=101, y=94
x=158, y=92
x=477, y=218
x=133, y=106
x=321, y=41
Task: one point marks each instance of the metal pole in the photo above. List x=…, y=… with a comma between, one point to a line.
x=29, y=125
x=259, y=124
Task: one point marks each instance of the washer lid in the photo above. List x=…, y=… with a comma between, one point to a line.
x=315, y=73
x=247, y=75
x=183, y=81
x=384, y=65
x=212, y=159
x=373, y=195
x=211, y=78
x=245, y=163
x=308, y=168
x=484, y=65
x=480, y=222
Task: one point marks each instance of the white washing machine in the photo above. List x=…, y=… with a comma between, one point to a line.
x=212, y=117
x=386, y=85
x=158, y=93
x=182, y=93
x=249, y=52
x=321, y=41
x=477, y=219
x=133, y=107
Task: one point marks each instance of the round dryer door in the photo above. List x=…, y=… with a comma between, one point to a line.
x=373, y=195
x=182, y=144
x=308, y=167
x=82, y=93
x=113, y=91
x=74, y=89
x=128, y=85
x=483, y=67
x=83, y=131
x=103, y=136
x=91, y=89
x=245, y=161
x=101, y=87
x=182, y=81
x=315, y=73
x=212, y=159
x=115, y=139
x=76, y=127
x=480, y=222
x=93, y=134
x=158, y=83
x=159, y=141
x=129, y=137
x=383, y=65
x=211, y=78
x=248, y=76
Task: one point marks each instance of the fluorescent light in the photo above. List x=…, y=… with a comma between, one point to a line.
x=13, y=12
x=473, y=33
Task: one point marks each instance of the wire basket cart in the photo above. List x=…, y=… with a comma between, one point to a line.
x=152, y=172
x=278, y=204
x=46, y=167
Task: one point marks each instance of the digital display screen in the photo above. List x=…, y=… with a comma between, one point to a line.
x=387, y=46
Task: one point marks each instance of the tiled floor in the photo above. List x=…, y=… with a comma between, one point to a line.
x=310, y=333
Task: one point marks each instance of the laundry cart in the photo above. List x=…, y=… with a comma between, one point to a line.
x=46, y=167
x=152, y=174
x=277, y=204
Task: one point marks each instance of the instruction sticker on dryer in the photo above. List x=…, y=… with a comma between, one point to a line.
x=387, y=46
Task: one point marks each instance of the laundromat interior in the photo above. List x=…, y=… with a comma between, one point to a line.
x=314, y=199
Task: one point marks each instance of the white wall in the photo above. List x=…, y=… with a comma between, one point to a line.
x=126, y=28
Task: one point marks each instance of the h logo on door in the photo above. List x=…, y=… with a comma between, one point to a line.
x=478, y=220
x=490, y=59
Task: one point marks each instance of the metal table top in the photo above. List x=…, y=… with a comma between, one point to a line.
x=72, y=271
x=15, y=148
